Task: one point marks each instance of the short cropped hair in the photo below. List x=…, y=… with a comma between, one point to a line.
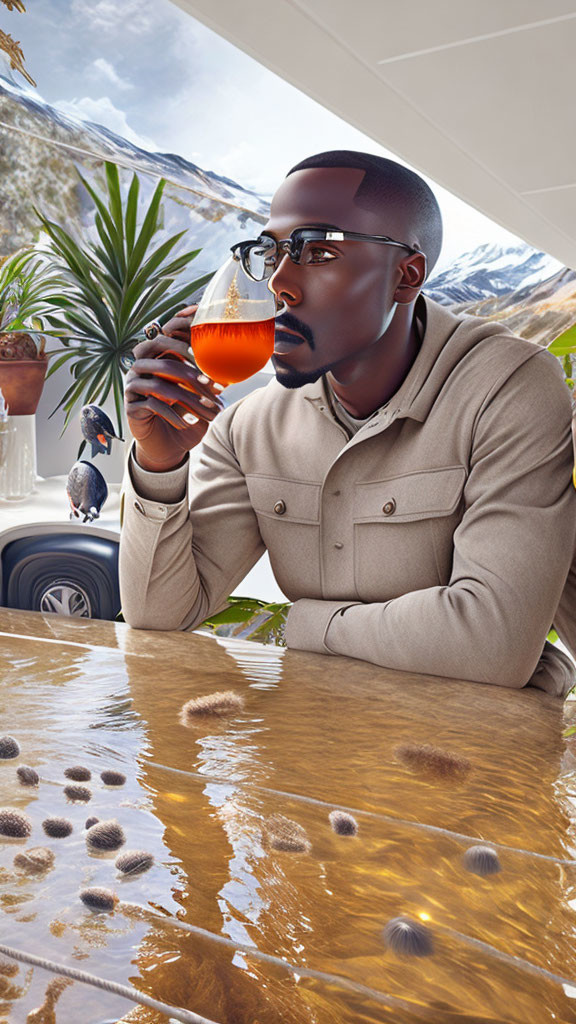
x=385, y=182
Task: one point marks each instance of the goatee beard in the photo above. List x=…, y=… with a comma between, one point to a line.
x=291, y=379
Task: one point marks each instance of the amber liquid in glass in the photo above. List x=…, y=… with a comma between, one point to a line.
x=234, y=351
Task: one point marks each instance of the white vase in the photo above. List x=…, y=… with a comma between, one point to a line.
x=17, y=457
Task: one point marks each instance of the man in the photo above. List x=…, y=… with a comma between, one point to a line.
x=408, y=470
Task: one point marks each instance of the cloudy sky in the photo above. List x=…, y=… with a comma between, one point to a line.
x=148, y=71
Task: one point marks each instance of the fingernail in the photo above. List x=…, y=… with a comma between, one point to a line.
x=204, y=379
x=207, y=401
x=190, y=353
x=218, y=387
x=190, y=418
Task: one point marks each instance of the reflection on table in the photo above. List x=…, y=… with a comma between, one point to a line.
x=316, y=733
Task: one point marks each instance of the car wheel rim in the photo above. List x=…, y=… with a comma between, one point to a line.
x=66, y=598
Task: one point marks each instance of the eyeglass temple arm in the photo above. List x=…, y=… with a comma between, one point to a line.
x=340, y=236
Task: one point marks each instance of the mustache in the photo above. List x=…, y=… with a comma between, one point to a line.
x=292, y=322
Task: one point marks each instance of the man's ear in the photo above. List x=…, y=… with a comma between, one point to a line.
x=413, y=276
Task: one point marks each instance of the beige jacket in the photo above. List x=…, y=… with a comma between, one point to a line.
x=437, y=539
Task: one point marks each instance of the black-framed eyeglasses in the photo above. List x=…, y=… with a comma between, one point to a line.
x=260, y=257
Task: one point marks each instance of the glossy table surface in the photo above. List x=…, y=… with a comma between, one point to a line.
x=314, y=734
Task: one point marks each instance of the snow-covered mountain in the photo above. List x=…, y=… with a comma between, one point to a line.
x=491, y=271
x=528, y=291
x=41, y=147
x=108, y=144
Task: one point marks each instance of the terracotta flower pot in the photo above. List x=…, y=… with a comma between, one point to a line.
x=21, y=381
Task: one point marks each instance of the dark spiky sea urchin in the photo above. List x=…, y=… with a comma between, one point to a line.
x=407, y=937
x=57, y=828
x=110, y=777
x=134, y=862
x=14, y=824
x=482, y=860
x=35, y=860
x=425, y=759
x=79, y=794
x=106, y=835
x=223, y=702
x=27, y=776
x=343, y=824
x=97, y=898
x=282, y=833
x=9, y=748
x=91, y=821
x=78, y=773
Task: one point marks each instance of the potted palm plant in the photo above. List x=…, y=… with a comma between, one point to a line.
x=31, y=289
x=119, y=283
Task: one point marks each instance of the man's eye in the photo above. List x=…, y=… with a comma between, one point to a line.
x=316, y=254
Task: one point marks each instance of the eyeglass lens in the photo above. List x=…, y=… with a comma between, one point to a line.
x=261, y=259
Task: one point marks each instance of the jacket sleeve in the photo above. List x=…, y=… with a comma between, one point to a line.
x=512, y=552
x=179, y=559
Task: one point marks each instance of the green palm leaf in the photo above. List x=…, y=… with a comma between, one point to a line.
x=131, y=214
x=110, y=288
x=111, y=229
x=147, y=231
x=115, y=202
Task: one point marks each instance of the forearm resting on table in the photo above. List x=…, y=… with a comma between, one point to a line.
x=180, y=560
x=442, y=631
x=155, y=513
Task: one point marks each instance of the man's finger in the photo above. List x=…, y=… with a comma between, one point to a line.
x=142, y=410
x=182, y=374
x=181, y=336
x=166, y=393
x=174, y=394
x=153, y=347
x=167, y=412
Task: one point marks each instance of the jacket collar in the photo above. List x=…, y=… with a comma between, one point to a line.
x=447, y=339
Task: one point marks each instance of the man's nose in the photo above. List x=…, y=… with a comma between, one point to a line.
x=283, y=284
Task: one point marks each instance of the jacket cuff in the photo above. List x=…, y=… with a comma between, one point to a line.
x=169, y=488
x=308, y=622
x=555, y=672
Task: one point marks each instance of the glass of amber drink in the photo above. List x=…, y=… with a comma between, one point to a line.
x=232, y=336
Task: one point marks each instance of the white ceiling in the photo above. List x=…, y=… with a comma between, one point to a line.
x=479, y=95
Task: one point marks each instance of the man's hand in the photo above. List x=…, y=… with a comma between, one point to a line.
x=179, y=326
x=169, y=402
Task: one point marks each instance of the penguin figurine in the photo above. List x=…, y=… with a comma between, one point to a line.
x=87, y=491
x=97, y=428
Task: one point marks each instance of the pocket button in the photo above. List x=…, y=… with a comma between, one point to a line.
x=389, y=507
x=280, y=508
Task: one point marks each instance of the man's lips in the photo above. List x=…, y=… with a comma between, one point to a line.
x=288, y=330
x=289, y=340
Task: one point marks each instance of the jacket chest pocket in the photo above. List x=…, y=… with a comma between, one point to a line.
x=404, y=532
x=288, y=514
